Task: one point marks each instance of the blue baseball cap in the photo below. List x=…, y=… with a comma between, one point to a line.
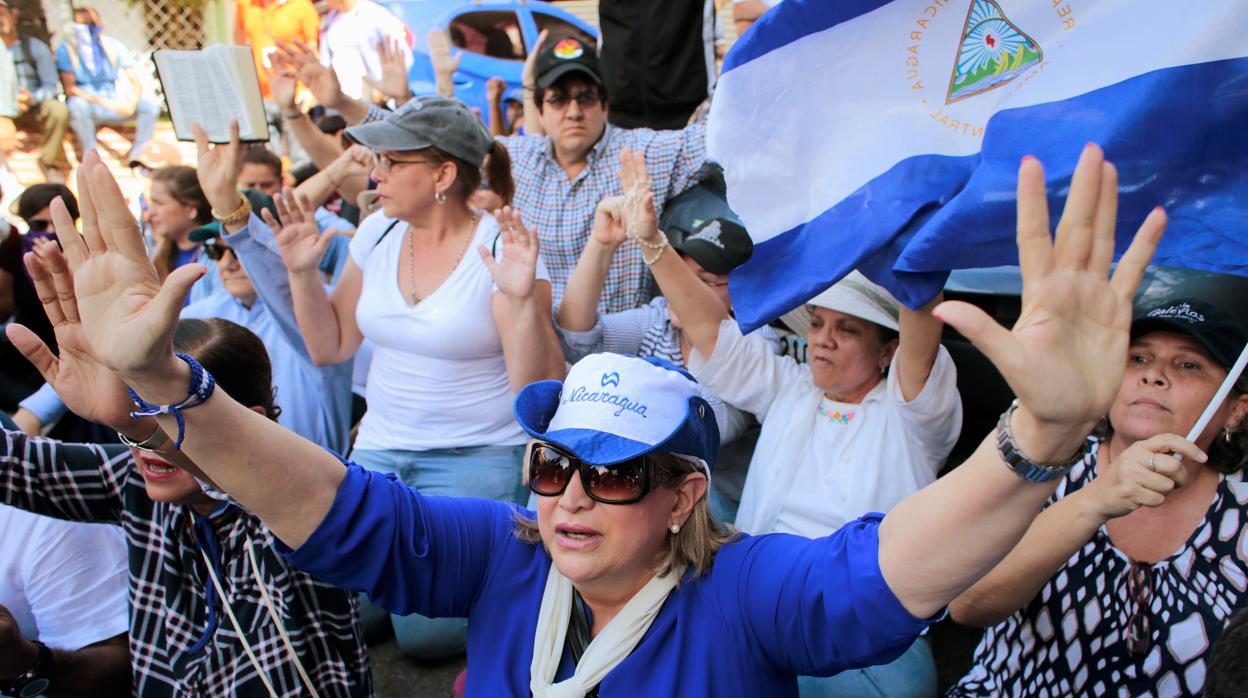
x=612, y=408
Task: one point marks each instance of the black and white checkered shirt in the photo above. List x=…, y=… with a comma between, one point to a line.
x=170, y=590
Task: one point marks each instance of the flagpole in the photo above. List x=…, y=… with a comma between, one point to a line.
x=1219, y=396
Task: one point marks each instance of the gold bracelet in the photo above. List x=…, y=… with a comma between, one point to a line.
x=236, y=216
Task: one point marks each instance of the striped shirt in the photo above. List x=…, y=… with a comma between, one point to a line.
x=181, y=642
x=562, y=210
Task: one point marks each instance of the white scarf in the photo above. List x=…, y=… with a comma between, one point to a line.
x=612, y=645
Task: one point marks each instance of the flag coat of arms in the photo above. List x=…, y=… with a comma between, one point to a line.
x=886, y=136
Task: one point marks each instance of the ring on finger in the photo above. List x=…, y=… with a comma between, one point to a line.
x=1152, y=463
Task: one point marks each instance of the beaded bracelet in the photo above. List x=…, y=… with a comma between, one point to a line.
x=197, y=393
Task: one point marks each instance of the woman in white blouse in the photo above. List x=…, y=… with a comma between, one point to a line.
x=867, y=421
x=457, y=306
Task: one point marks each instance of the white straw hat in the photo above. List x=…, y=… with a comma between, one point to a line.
x=853, y=295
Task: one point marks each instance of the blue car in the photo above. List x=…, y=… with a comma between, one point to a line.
x=494, y=37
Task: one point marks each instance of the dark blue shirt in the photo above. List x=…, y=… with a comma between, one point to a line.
x=771, y=608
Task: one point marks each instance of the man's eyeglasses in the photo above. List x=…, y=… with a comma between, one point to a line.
x=1139, y=592
x=385, y=163
x=551, y=469
x=216, y=250
x=584, y=100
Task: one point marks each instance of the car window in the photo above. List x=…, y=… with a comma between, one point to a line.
x=561, y=27
x=489, y=33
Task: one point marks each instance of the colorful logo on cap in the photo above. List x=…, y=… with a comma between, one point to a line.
x=568, y=49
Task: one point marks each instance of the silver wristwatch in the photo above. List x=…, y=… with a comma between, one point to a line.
x=1020, y=464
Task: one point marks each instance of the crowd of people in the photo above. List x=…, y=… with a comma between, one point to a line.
x=473, y=380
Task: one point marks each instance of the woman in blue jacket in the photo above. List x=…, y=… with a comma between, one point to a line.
x=621, y=583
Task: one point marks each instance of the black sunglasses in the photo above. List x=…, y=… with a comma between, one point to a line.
x=38, y=226
x=627, y=482
x=215, y=250
x=584, y=100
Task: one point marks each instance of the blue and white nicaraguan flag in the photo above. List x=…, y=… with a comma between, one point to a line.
x=886, y=136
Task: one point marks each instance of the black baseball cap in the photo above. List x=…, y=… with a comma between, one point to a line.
x=1219, y=331
x=718, y=245
x=563, y=56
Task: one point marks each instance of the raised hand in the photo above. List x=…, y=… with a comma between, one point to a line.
x=609, y=226
x=444, y=64
x=88, y=388
x=640, y=219
x=516, y=274
x=393, y=82
x=217, y=169
x=300, y=242
x=320, y=81
x=1066, y=355
x=127, y=316
x=494, y=89
x=528, y=74
x=356, y=161
x=283, y=82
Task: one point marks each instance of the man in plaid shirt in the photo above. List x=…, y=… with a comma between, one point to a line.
x=182, y=640
x=562, y=175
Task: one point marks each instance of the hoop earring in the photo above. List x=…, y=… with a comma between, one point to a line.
x=440, y=197
x=1226, y=435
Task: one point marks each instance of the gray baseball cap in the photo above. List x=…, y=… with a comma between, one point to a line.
x=429, y=122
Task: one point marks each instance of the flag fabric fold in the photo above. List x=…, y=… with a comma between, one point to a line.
x=886, y=136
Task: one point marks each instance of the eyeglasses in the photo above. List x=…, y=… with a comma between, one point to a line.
x=584, y=100
x=551, y=469
x=216, y=250
x=1139, y=591
x=385, y=163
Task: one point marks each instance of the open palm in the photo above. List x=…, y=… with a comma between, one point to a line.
x=516, y=274
x=299, y=240
x=87, y=387
x=127, y=315
x=1066, y=354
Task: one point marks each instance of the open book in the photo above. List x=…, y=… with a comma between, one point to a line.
x=210, y=87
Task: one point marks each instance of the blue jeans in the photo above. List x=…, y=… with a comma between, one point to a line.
x=490, y=472
x=85, y=117
x=912, y=675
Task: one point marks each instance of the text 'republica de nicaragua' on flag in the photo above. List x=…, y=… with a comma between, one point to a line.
x=886, y=136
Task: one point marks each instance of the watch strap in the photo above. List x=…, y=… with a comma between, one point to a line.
x=35, y=680
x=1024, y=467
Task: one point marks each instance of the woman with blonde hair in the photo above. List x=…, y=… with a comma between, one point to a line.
x=625, y=447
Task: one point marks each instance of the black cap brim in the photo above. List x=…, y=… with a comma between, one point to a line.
x=1211, y=345
x=552, y=76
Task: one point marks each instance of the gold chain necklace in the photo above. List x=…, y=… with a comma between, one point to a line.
x=411, y=258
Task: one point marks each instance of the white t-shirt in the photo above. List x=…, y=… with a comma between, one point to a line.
x=65, y=583
x=820, y=464
x=349, y=44
x=437, y=378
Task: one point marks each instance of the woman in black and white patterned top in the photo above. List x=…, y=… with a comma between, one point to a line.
x=1123, y=584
